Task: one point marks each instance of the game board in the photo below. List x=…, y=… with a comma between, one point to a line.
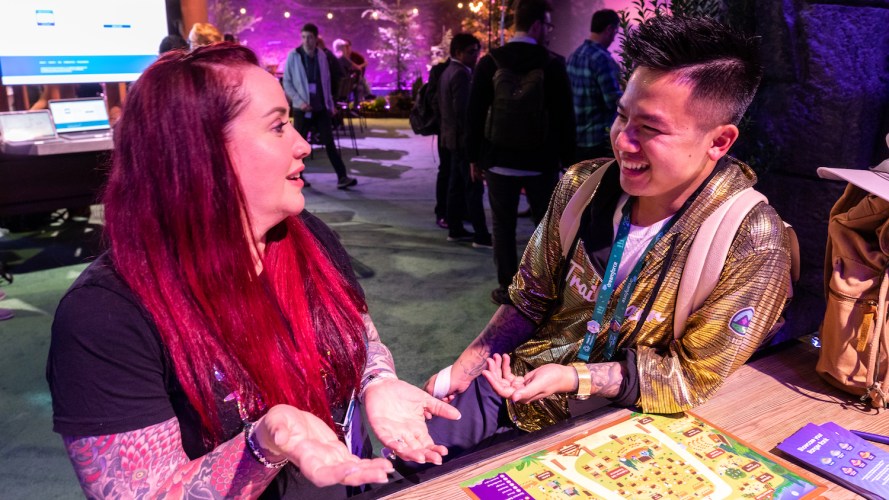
x=644, y=457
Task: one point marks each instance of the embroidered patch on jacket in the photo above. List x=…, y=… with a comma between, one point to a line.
x=740, y=322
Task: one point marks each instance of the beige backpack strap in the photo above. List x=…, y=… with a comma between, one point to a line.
x=708, y=253
x=569, y=223
x=877, y=389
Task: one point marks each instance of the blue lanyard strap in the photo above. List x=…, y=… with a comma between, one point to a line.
x=606, y=289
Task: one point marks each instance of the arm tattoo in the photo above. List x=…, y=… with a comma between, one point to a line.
x=606, y=378
x=506, y=331
x=150, y=462
x=379, y=359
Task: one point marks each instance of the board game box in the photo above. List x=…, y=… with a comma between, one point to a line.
x=654, y=457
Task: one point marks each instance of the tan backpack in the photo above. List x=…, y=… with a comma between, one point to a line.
x=854, y=333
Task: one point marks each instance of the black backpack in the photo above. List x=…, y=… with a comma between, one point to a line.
x=517, y=118
x=425, y=116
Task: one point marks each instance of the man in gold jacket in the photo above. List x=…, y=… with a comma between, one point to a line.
x=616, y=292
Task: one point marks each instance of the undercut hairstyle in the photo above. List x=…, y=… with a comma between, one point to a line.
x=311, y=28
x=720, y=63
x=603, y=19
x=527, y=12
x=175, y=227
x=461, y=42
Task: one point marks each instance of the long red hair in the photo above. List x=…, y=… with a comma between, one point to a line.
x=174, y=215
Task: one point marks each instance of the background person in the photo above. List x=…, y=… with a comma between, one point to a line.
x=513, y=164
x=595, y=85
x=203, y=34
x=465, y=189
x=223, y=333
x=308, y=85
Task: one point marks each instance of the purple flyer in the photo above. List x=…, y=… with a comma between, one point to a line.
x=843, y=457
x=499, y=487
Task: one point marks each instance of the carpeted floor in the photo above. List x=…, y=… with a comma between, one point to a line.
x=428, y=297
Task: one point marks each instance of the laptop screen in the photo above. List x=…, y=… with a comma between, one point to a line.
x=78, y=115
x=22, y=126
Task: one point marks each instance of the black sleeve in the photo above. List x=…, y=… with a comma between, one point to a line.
x=561, y=103
x=480, y=97
x=460, y=86
x=336, y=73
x=329, y=241
x=628, y=395
x=106, y=366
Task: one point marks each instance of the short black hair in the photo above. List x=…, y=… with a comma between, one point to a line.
x=461, y=42
x=603, y=19
x=311, y=28
x=721, y=64
x=172, y=42
x=529, y=11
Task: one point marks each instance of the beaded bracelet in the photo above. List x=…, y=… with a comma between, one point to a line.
x=250, y=438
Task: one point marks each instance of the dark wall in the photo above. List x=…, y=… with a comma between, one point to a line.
x=824, y=102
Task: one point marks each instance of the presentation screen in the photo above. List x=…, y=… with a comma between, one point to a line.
x=79, y=41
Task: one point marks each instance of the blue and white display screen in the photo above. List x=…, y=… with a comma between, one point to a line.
x=78, y=115
x=79, y=41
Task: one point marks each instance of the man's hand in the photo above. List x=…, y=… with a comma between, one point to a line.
x=306, y=107
x=539, y=383
x=397, y=412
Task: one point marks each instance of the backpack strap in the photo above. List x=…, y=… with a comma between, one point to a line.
x=877, y=389
x=708, y=253
x=569, y=223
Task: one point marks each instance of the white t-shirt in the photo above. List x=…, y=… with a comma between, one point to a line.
x=637, y=240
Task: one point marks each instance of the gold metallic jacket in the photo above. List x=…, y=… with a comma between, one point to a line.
x=673, y=375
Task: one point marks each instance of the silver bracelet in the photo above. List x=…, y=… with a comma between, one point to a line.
x=250, y=438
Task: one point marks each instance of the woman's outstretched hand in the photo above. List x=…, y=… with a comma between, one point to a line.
x=304, y=439
x=397, y=412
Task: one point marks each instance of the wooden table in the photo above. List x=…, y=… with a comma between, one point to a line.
x=762, y=403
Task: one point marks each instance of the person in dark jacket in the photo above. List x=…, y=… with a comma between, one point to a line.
x=511, y=167
x=464, y=193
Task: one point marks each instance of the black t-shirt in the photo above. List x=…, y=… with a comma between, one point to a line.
x=109, y=372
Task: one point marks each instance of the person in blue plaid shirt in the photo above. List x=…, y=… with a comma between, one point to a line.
x=595, y=83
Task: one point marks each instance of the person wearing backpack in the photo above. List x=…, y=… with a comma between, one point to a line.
x=596, y=297
x=521, y=129
x=425, y=119
x=464, y=193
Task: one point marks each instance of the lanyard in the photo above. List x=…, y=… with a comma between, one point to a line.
x=603, y=296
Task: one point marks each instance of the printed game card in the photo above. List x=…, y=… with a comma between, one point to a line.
x=644, y=457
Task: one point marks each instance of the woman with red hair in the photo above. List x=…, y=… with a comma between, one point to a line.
x=220, y=345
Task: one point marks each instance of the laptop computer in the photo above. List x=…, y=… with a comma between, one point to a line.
x=81, y=119
x=26, y=127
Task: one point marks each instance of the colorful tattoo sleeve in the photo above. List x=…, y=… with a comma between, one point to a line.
x=150, y=462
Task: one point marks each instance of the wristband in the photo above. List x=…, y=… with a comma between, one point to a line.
x=369, y=379
x=250, y=437
x=442, y=383
x=584, y=381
